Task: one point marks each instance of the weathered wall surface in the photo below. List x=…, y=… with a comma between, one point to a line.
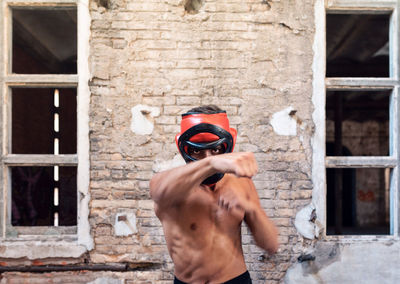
x=251, y=58
x=81, y=277
x=369, y=262
x=153, y=60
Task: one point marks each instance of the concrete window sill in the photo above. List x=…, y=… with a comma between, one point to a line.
x=40, y=249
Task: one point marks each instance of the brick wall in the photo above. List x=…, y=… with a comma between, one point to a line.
x=252, y=58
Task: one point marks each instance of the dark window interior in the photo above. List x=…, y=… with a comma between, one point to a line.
x=33, y=121
x=358, y=120
x=33, y=196
x=357, y=45
x=357, y=124
x=44, y=41
x=358, y=201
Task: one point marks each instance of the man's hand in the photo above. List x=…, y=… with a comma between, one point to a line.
x=241, y=164
x=236, y=198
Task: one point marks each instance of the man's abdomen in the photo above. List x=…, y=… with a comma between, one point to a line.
x=215, y=257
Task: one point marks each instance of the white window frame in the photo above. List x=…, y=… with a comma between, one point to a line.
x=66, y=241
x=322, y=84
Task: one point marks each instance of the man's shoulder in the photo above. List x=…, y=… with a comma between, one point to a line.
x=162, y=210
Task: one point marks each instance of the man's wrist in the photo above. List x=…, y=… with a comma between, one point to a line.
x=210, y=164
x=251, y=210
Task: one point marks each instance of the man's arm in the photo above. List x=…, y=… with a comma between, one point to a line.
x=243, y=196
x=262, y=228
x=173, y=186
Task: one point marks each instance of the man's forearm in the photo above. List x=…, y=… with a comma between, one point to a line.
x=263, y=229
x=172, y=186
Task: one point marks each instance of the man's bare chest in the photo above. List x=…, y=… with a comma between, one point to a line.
x=201, y=212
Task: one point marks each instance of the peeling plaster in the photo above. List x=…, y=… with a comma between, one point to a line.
x=142, y=119
x=160, y=166
x=318, y=100
x=307, y=224
x=349, y=263
x=283, y=123
x=125, y=223
x=84, y=19
x=106, y=280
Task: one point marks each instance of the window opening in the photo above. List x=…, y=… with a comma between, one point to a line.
x=41, y=79
x=357, y=201
x=359, y=124
x=44, y=41
x=40, y=127
x=357, y=45
x=358, y=120
x=44, y=196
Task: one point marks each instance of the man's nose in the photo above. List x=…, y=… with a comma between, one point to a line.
x=207, y=153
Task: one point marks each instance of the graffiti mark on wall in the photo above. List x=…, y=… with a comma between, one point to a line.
x=366, y=196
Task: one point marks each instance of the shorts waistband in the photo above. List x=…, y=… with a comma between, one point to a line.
x=243, y=278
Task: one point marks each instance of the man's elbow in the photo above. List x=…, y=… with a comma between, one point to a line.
x=153, y=186
x=273, y=247
x=158, y=188
x=271, y=244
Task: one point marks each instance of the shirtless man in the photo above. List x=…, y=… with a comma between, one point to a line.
x=202, y=204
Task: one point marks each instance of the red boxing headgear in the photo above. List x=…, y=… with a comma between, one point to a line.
x=202, y=128
x=205, y=131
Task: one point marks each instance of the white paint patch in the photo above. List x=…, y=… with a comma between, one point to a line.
x=292, y=276
x=160, y=166
x=303, y=223
x=125, y=223
x=283, y=123
x=106, y=280
x=84, y=20
x=142, y=122
x=359, y=262
x=318, y=115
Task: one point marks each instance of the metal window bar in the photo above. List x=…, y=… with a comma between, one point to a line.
x=56, y=97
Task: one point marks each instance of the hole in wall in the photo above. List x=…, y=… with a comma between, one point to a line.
x=266, y=2
x=104, y=3
x=193, y=6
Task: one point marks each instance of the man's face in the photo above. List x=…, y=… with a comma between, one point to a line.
x=201, y=154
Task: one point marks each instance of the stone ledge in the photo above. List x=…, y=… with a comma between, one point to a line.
x=41, y=249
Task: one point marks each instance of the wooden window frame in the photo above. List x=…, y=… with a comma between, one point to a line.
x=322, y=84
x=79, y=234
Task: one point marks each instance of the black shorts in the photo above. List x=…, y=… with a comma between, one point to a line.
x=241, y=279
